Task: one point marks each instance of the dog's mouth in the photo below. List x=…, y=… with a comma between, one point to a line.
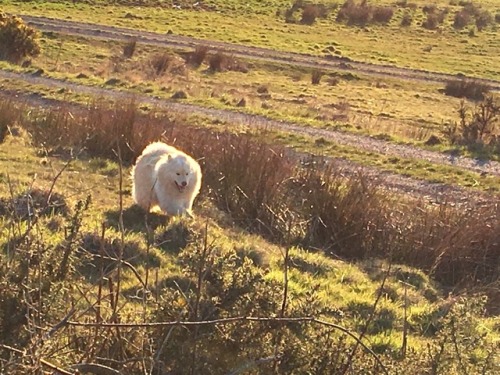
x=181, y=188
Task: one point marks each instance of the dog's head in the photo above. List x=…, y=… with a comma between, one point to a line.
x=180, y=171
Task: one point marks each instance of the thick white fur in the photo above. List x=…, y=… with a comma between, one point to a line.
x=166, y=177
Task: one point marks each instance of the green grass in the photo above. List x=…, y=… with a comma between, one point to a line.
x=373, y=44
x=407, y=112
x=166, y=259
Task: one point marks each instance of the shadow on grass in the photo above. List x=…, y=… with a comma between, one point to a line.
x=172, y=282
x=101, y=255
x=175, y=237
x=135, y=219
x=171, y=235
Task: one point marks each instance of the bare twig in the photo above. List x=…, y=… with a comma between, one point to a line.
x=42, y=361
x=279, y=335
x=121, y=227
x=125, y=263
x=372, y=315
x=59, y=325
x=56, y=177
x=202, y=271
x=405, y=323
x=95, y=368
x=162, y=347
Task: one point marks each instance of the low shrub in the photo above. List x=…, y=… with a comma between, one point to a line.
x=129, y=48
x=197, y=57
x=466, y=88
x=309, y=14
x=17, y=40
x=431, y=22
x=10, y=114
x=245, y=177
x=354, y=14
x=470, y=7
x=428, y=9
x=344, y=216
x=160, y=63
x=316, y=76
x=382, y=14
x=461, y=19
x=99, y=129
x=480, y=125
x=406, y=20
x=483, y=19
x=220, y=62
x=363, y=13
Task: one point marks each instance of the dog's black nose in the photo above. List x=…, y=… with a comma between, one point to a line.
x=184, y=183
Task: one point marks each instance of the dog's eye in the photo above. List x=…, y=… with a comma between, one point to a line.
x=187, y=174
x=178, y=174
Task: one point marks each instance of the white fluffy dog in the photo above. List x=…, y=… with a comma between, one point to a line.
x=166, y=177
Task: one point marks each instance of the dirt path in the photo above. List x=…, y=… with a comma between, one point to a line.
x=247, y=52
x=435, y=192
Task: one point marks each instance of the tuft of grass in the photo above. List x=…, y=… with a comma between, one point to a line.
x=129, y=48
x=160, y=64
x=101, y=131
x=316, y=76
x=197, y=57
x=10, y=112
x=220, y=62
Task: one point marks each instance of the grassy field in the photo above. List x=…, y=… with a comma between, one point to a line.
x=286, y=268
x=373, y=44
